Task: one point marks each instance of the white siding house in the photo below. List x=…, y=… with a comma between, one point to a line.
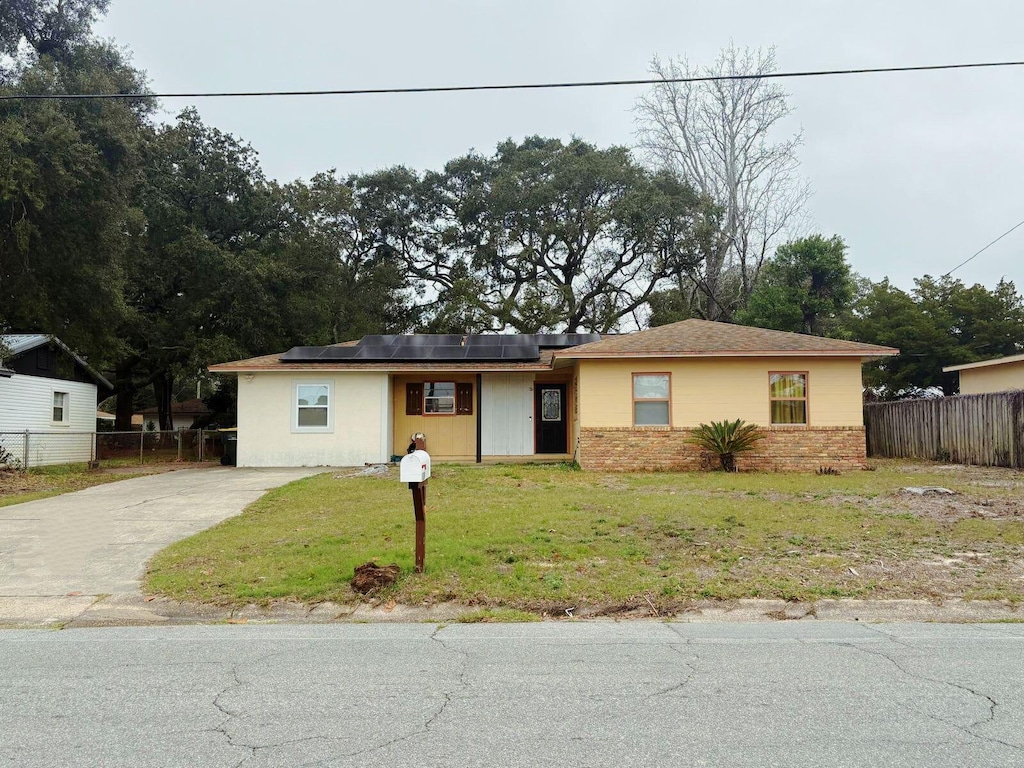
x=48, y=391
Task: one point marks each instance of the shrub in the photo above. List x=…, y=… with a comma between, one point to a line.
x=7, y=460
x=727, y=438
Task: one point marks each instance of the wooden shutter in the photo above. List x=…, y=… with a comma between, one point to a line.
x=464, y=399
x=413, y=399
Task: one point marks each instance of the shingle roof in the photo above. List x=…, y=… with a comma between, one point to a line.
x=689, y=338
x=188, y=408
x=692, y=338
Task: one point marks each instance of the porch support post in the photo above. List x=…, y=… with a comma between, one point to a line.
x=479, y=417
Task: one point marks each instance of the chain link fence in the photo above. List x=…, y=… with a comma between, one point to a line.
x=26, y=450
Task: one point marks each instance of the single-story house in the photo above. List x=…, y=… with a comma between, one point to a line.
x=183, y=415
x=623, y=402
x=48, y=389
x=999, y=375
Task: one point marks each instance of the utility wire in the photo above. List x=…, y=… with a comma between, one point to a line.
x=508, y=87
x=965, y=261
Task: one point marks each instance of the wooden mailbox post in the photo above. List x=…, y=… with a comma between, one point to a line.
x=415, y=470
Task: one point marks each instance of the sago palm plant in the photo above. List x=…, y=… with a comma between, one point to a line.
x=727, y=438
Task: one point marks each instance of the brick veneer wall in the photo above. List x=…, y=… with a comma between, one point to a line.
x=803, y=449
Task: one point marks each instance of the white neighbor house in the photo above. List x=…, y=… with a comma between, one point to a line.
x=46, y=388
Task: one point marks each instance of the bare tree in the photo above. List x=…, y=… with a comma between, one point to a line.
x=716, y=135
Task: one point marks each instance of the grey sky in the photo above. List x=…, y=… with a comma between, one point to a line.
x=915, y=171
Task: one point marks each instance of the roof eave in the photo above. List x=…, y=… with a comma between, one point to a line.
x=328, y=367
x=984, y=363
x=865, y=354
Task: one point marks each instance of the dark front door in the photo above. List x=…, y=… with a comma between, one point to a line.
x=550, y=417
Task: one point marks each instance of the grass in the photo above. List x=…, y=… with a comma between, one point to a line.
x=43, y=482
x=546, y=539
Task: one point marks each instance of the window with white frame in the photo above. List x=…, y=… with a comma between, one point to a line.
x=313, y=407
x=60, y=408
x=651, y=400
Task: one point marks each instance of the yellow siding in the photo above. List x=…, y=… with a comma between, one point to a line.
x=715, y=389
x=993, y=378
x=450, y=437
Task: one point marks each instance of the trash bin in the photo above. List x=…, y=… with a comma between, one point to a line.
x=230, y=438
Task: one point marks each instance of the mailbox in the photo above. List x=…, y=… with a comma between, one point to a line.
x=415, y=467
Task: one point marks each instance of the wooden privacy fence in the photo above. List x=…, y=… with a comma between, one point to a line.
x=965, y=429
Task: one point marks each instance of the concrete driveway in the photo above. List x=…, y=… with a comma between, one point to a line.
x=58, y=556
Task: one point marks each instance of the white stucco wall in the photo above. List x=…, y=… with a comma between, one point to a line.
x=26, y=403
x=358, y=433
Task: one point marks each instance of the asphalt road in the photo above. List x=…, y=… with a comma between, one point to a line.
x=563, y=694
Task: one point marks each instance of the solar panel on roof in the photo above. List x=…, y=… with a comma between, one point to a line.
x=378, y=340
x=337, y=353
x=481, y=354
x=448, y=353
x=424, y=347
x=564, y=340
x=304, y=354
x=375, y=353
x=497, y=340
x=411, y=354
x=520, y=353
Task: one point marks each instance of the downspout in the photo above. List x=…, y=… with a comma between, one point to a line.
x=479, y=417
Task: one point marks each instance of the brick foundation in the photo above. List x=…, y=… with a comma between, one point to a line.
x=803, y=449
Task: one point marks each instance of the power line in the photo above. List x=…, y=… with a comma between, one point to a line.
x=954, y=269
x=508, y=87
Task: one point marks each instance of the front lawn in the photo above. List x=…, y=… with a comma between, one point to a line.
x=542, y=538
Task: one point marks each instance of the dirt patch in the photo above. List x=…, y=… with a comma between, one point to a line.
x=152, y=469
x=370, y=577
x=12, y=482
x=963, y=507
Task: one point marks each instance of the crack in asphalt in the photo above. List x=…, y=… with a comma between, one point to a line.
x=991, y=702
x=428, y=723
x=688, y=660
x=460, y=678
x=230, y=715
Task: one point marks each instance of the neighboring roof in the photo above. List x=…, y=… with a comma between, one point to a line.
x=24, y=342
x=193, y=407
x=701, y=338
x=985, y=363
x=104, y=416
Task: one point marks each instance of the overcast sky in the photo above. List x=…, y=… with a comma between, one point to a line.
x=915, y=171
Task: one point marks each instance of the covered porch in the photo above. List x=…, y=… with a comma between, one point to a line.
x=487, y=417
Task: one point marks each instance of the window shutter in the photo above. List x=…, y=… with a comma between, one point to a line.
x=464, y=399
x=413, y=399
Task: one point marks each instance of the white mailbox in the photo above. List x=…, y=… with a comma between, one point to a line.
x=415, y=467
